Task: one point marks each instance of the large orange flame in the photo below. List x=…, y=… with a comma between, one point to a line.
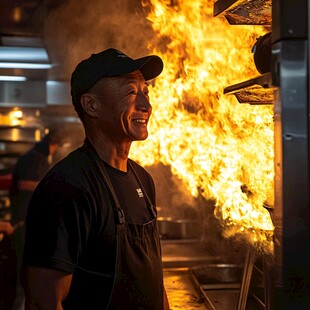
x=221, y=149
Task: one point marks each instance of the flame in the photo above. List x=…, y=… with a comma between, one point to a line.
x=221, y=149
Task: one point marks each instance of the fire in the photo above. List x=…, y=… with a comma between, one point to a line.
x=221, y=149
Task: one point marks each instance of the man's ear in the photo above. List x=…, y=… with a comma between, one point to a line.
x=89, y=104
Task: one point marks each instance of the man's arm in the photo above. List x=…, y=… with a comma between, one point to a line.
x=6, y=227
x=27, y=185
x=45, y=288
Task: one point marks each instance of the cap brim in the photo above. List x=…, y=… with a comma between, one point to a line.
x=150, y=66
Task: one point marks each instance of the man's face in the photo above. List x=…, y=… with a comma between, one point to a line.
x=125, y=108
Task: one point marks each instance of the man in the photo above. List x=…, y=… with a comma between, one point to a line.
x=92, y=239
x=6, y=228
x=27, y=172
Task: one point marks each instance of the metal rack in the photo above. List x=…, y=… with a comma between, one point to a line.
x=227, y=286
x=258, y=90
x=244, y=12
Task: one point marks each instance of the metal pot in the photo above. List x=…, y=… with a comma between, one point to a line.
x=178, y=228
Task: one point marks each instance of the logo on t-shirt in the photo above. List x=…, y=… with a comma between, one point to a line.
x=140, y=193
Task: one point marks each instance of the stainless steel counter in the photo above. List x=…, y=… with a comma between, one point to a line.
x=195, y=279
x=180, y=290
x=178, y=257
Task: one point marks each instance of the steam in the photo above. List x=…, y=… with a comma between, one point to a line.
x=76, y=29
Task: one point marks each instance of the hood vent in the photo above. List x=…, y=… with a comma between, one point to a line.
x=23, y=94
x=23, y=70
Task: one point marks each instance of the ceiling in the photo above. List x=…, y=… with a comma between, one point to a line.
x=24, y=17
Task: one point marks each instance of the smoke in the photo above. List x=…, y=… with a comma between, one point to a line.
x=76, y=29
x=173, y=200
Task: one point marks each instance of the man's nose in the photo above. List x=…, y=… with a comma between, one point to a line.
x=143, y=102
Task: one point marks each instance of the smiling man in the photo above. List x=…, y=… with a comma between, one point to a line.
x=92, y=239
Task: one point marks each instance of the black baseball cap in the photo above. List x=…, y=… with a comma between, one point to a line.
x=108, y=63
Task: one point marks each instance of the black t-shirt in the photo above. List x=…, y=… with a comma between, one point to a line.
x=130, y=195
x=71, y=227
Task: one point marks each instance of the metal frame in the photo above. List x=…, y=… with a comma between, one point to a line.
x=291, y=110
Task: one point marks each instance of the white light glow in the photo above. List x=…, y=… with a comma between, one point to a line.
x=12, y=78
x=22, y=65
x=16, y=114
x=23, y=54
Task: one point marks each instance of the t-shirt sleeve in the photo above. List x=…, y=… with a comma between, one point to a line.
x=57, y=226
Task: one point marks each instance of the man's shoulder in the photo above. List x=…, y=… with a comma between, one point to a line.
x=76, y=155
x=73, y=167
x=140, y=170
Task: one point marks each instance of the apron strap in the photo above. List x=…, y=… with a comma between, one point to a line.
x=149, y=202
x=120, y=216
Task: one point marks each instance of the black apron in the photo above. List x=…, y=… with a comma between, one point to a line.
x=138, y=279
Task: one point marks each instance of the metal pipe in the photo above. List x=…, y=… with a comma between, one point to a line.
x=246, y=278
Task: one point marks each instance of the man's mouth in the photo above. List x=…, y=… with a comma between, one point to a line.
x=140, y=120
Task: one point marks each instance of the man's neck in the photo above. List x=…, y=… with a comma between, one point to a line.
x=115, y=154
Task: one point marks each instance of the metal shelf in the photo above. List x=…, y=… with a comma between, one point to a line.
x=244, y=12
x=256, y=91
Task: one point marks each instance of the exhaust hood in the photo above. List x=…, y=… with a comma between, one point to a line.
x=23, y=70
x=23, y=56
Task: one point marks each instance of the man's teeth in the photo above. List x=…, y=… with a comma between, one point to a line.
x=140, y=120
